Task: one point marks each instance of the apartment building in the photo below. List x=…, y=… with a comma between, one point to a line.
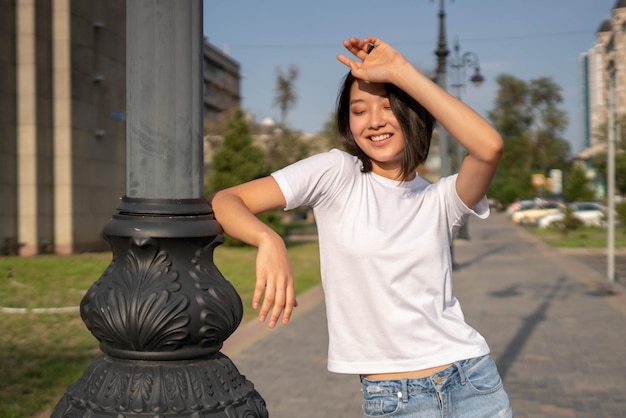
x=605, y=59
x=62, y=124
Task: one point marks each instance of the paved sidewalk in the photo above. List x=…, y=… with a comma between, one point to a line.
x=558, y=337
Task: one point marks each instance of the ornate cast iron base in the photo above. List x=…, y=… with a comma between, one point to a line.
x=198, y=389
x=162, y=311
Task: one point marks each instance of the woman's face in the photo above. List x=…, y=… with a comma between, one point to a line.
x=375, y=128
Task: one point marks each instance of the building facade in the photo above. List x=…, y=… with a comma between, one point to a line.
x=62, y=125
x=221, y=83
x=597, y=66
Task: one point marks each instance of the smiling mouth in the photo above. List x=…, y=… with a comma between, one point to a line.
x=378, y=138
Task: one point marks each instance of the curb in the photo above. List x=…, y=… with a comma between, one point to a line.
x=253, y=331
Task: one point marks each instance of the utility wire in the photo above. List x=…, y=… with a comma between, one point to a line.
x=429, y=42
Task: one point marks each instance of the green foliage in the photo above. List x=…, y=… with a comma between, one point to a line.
x=507, y=187
x=599, y=162
x=238, y=161
x=330, y=134
x=568, y=223
x=586, y=237
x=286, y=148
x=620, y=209
x=528, y=117
x=511, y=114
x=620, y=173
x=577, y=187
x=286, y=95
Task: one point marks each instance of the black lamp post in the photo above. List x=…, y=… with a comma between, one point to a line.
x=162, y=310
x=441, y=79
x=458, y=64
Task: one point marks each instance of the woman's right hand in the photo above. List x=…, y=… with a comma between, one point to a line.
x=274, y=282
x=235, y=209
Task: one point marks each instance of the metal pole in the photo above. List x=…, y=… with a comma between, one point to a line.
x=457, y=84
x=162, y=309
x=164, y=97
x=458, y=64
x=611, y=177
x=442, y=53
x=458, y=76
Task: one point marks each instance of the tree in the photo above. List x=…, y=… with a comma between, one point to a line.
x=237, y=161
x=577, y=187
x=286, y=148
x=528, y=117
x=549, y=122
x=286, y=95
x=329, y=133
x=599, y=161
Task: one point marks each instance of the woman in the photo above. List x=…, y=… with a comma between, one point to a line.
x=384, y=236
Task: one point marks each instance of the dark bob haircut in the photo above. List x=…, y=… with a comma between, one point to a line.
x=415, y=121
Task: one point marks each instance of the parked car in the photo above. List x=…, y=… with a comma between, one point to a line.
x=530, y=216
x=495, y=204
x=521, y=204
x=590, y=213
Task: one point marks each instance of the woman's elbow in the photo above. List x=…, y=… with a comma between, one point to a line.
x=495, y=150
x=217, y=199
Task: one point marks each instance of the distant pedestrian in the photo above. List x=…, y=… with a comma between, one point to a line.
x=384, y=236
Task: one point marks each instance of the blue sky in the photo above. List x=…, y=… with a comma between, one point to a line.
x=524, y=38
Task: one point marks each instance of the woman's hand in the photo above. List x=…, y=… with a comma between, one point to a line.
x=235, y=210
x=274, y=276
x=378, y=63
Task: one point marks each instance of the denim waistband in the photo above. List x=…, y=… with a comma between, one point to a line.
x=452, y=374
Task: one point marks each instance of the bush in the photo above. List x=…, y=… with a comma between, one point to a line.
x=569, y=222
x=620, y=209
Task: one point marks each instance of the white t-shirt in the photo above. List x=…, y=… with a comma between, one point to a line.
x=385, y=264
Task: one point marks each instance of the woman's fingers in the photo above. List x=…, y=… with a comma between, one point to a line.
x=278, y=300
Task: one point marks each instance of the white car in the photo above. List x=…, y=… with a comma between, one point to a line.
x=529, y=216
x=521, y=205
x=590, y=213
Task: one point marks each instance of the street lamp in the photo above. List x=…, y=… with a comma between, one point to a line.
x=162, y=310
x=458, y=64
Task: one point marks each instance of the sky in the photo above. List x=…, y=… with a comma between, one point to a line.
x=527, y=39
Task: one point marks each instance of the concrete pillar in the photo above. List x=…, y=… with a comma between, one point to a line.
x=26, y=96
x=62, y=131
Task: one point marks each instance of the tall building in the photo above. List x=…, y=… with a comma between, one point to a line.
x=221, y=83
x=62, y=124
x=62, y=153
x=609, y=49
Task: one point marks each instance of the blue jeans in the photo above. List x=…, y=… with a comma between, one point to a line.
x=467, y=389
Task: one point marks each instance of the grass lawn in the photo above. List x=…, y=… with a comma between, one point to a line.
x=591, y=237
x=43, y=353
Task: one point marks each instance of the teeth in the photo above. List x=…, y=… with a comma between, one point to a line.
x=380, y=137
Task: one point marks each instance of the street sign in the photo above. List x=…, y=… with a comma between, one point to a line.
x=538, y=180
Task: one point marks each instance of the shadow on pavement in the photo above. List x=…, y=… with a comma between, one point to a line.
x=515, y=346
